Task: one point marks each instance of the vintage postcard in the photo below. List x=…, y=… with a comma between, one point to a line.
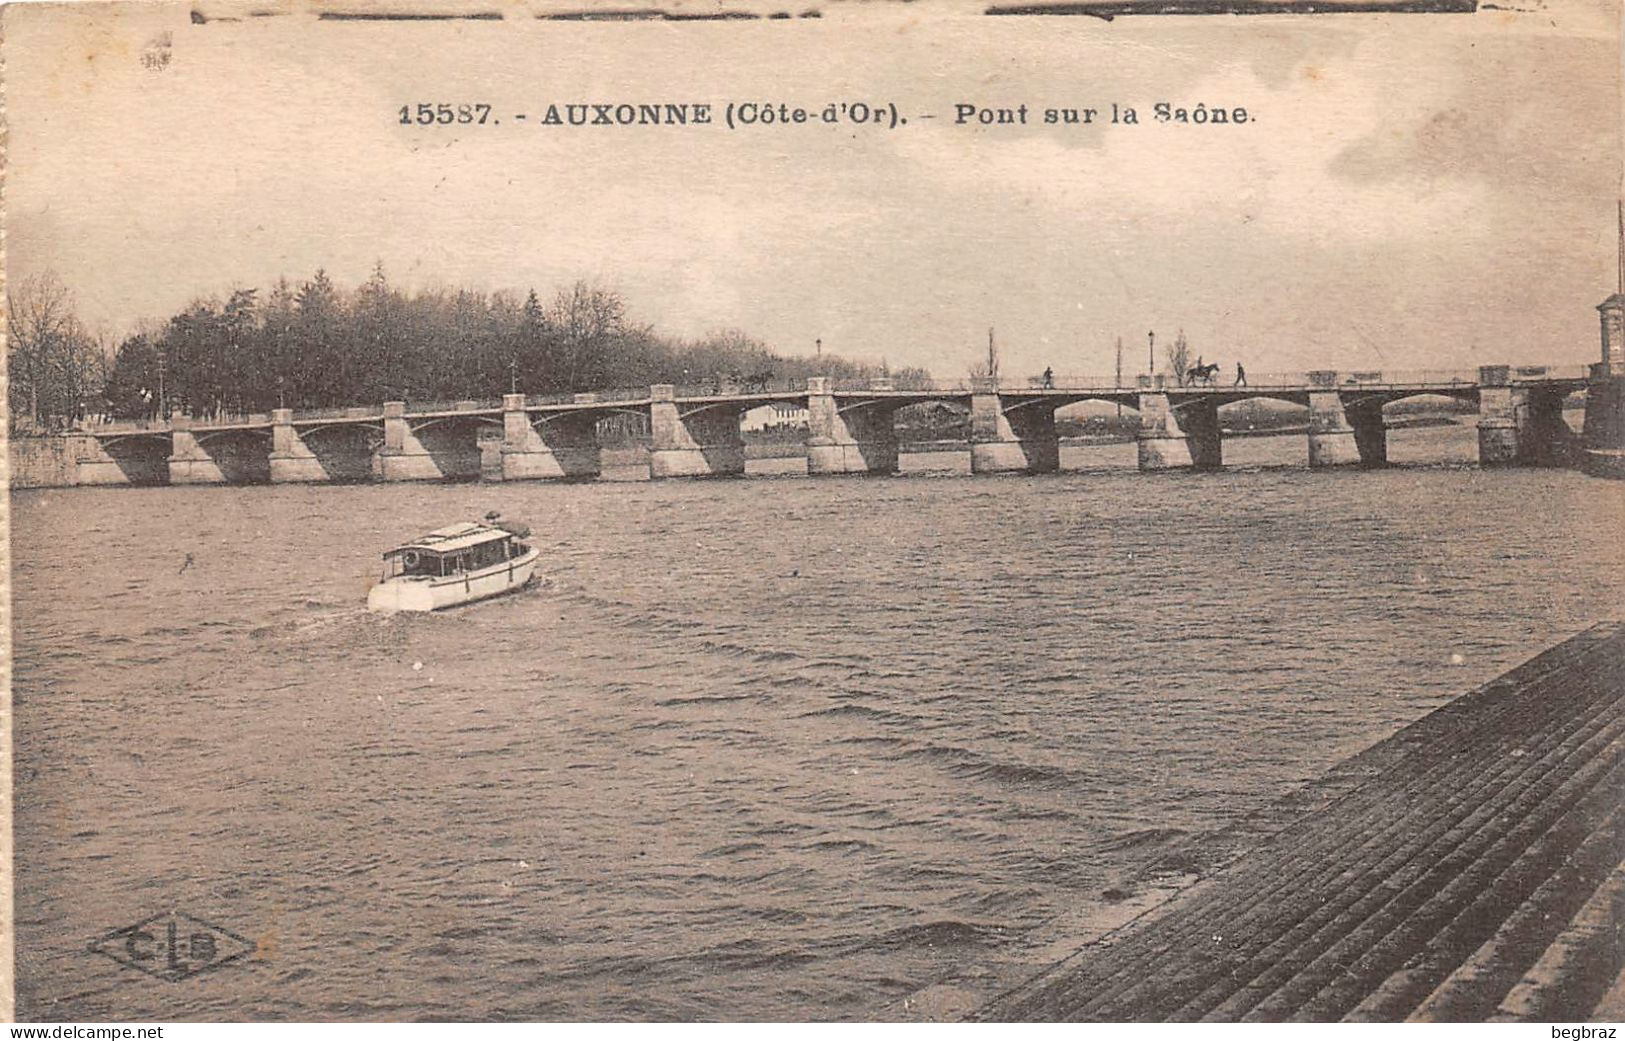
x=783, y=511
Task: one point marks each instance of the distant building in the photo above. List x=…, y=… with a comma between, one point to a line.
x=778, y=415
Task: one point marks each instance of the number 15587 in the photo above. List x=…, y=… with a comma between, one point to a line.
x=426, y=113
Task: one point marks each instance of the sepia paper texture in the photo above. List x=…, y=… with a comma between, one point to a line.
x=759, y=750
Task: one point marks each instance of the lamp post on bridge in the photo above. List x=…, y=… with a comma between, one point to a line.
x=1151, y=353
x=1119, y=382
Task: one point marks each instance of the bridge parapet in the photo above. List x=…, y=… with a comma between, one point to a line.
x=731, y=386
x=612, y=396
x=1562, y=373
x=123, y=426
x=312, y=415
x=895, y=384
x=461, y=405
x=218, y=420
x=1073, y=382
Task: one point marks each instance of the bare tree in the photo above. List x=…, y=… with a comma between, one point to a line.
x=53, y=363
x=590, y=322
x=1179, y=358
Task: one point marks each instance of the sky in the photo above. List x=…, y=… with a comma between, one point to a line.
x=1411, y=192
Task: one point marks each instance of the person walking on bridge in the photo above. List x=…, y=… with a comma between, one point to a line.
x=1049, y=378
x=1241, y=375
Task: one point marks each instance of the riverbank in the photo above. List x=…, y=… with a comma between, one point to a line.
x=1465, y=869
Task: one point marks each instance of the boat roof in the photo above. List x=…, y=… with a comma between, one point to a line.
x=456, y=537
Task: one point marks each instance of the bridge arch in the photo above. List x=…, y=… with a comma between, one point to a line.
x=377, y=428
x=476, y=418
x=154, y=436
x=1241, y=396
x=343, y=451
x=539, y=421
x=230, y=433
x=743, y=405
x=1468, y=395
x=1014, y=401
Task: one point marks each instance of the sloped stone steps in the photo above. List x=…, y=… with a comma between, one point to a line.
x=1467, y=877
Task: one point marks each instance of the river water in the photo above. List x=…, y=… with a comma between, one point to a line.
x=761, y=749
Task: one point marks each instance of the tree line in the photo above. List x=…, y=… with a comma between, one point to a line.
x=313, y=344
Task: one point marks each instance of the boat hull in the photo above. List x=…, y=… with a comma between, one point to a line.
x=433, y=594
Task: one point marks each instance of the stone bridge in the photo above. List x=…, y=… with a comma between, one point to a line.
x=695, y=431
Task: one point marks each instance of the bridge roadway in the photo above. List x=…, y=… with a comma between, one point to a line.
x=695, y=431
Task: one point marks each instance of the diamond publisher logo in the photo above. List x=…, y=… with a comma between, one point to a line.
x=172, y=946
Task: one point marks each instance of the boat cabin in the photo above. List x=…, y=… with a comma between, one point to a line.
x=455, y=550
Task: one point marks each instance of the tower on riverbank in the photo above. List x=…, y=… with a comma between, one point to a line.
x=1613, y=315
x=1604, y=439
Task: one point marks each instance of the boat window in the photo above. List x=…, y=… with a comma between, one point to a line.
x=414, y=562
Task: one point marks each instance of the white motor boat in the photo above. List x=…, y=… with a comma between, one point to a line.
x=455, y=565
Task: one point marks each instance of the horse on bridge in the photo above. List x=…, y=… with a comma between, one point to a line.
x=1201, y=373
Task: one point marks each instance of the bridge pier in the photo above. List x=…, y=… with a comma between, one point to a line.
x=562, y=446
x=1018, y=438
x=402, y=456
x=92, y=464
x=860, y=440
x=1331, y=437
x=1162, y=442
x=1370, y=431
x=436, y=450
x=1186, y=437
x=292, y=461
x=188, y=462
x=1342, y=434
x=1200, y=420
x=1520, y=426
x=703, y=442
x=1546, y=439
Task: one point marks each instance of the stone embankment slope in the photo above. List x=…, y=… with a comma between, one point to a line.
x=1469, y=868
